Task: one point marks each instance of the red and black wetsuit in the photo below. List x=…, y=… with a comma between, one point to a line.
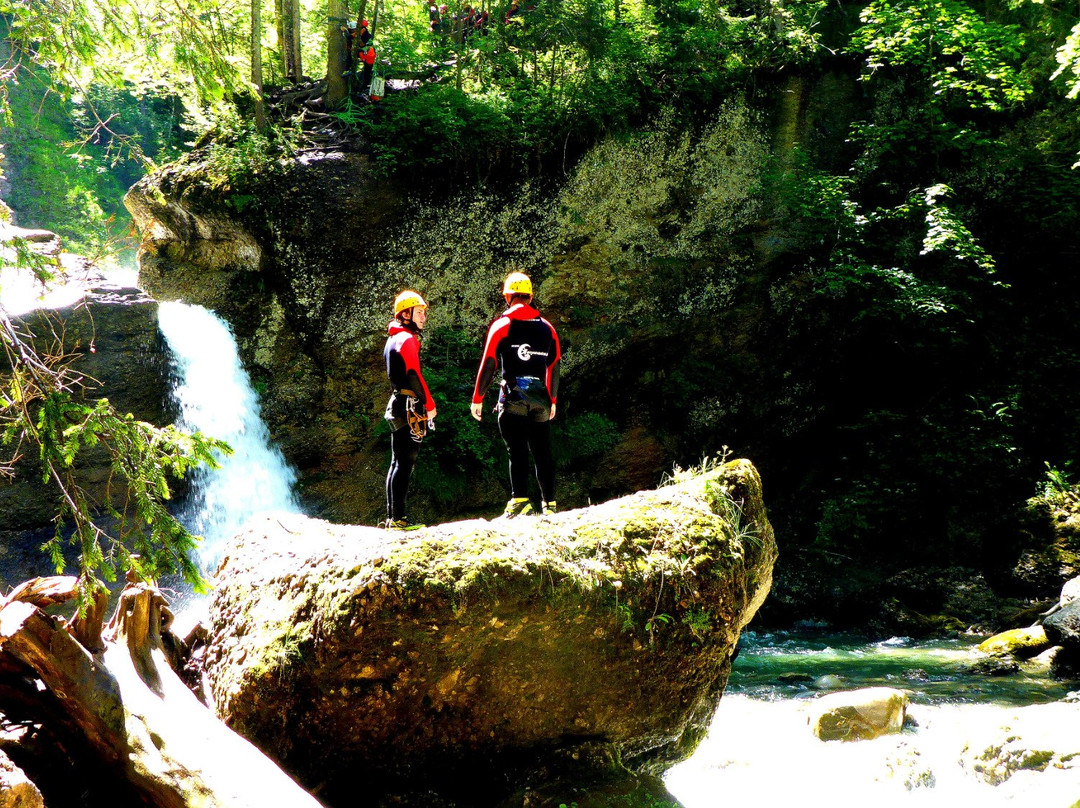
x=525, y=347
x=368, y=58
x=402, y=354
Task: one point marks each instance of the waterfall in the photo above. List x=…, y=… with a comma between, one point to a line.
x=215, y=396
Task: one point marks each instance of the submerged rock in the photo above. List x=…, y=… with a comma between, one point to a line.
x=994, y=666
x=858, y=715
x=479, y=659
x=1039, y=739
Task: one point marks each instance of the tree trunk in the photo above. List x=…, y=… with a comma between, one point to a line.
x=336, y=86
x=374, y=20
x=297, y=61
x=279, y=28
x=256, y=62
x=131, y=707
x=356, y=44
x=288, y=26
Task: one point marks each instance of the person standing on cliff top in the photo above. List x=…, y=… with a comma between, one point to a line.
x=525, y=346
x=411, y=409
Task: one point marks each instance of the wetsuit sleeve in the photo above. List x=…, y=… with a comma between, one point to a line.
x=553, y=381
x=410, y=352
x=489, y=362
x=553, y=368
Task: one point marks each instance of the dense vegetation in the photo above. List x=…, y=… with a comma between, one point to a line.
x=61, y=180
x=916, y=372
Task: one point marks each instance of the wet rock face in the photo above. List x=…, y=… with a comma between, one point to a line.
x=475, y=659
x=113, y=339
x=304, y=261
x=1063, y=627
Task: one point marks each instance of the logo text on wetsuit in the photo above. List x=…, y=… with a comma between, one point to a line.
x=525, y=352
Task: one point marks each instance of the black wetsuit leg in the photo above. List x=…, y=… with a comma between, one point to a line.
x=515, y=434
x=403, y=453
x=540, y=446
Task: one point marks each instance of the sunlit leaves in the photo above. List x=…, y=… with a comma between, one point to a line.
x=946, y=232
x=965, y=59
x=194, y=48
x=1068, y=59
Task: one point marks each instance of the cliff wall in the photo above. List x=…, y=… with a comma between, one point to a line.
x=651, y=258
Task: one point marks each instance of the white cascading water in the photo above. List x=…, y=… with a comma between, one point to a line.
x=760, y=750
x=215, y=396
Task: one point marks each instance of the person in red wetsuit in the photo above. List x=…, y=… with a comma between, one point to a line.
x=411, y=410
x=526, y=348
x=367, y=56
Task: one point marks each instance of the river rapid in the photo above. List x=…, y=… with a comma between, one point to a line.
x=970, y=739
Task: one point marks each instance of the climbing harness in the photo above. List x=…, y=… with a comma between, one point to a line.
x=418, y=422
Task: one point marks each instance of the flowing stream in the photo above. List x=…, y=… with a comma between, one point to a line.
x=215, y=396
x=760, y=750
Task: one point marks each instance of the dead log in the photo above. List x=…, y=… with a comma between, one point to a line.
x=134, y=711
x=44, y=592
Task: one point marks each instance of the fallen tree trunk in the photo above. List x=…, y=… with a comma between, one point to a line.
x=132, y=708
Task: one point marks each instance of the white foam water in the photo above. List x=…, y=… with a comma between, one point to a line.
x=216, y=397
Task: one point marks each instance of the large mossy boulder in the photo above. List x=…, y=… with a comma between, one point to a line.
x=482, y=659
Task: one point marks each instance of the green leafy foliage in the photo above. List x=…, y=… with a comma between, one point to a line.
x=964, y=59
x=1068, y=59
x=435, y=130
x=571, y=71
x=45, y=413
x=583, y=437
x=148, y=540
x=240, y=154
x=957, y=67
x=88, y=44
x=67, y=173
x=1057, y=489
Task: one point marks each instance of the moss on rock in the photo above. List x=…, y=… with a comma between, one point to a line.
x=477, y=652
x=1018, y=642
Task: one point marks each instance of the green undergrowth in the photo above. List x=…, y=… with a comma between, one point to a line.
x=60, y=179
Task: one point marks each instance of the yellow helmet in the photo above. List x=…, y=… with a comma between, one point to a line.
x=406, y=300
x=517, y=283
